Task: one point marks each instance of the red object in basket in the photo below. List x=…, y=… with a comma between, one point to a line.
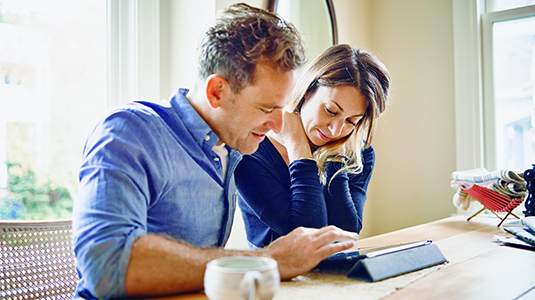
x=492, y=201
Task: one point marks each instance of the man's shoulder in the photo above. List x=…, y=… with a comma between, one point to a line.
x=151, y=114
x=133, y=111
x=144, y=123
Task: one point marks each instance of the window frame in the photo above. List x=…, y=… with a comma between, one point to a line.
x=133, y=36
x=487, y=21
x=474, y=82
x=468, y=84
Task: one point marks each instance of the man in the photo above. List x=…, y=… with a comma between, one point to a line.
x=157, y=195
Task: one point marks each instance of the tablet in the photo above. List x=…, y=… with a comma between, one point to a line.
x=368, y=252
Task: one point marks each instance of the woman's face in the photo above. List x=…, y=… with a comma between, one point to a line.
x=332, y=113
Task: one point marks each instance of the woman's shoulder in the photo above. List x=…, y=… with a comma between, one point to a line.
x=266, y=161
x=266, y=155
x=368, y=153
x=265, y=151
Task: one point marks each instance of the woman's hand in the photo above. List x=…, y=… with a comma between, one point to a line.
x=293, y=137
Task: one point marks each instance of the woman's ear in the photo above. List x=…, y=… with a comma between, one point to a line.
x=217, y=90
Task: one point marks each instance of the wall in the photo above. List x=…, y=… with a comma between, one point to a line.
x=415, y=141
x=353, y=18
x=182, y=23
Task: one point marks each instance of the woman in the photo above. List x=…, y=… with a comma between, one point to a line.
x=315, y=172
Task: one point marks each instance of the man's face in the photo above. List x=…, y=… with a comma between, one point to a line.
x=257, y=109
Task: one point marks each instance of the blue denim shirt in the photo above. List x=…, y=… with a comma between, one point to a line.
x=148, y=168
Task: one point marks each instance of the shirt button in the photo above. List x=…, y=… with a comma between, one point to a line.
x=207, y=138
x=216, y=158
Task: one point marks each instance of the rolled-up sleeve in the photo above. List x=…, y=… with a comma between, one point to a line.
x=110, y=211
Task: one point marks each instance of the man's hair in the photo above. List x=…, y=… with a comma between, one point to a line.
x=244, y=36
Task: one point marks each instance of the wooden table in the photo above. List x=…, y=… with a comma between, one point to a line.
x=477, y=267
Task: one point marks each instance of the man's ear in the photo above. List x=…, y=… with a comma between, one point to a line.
x=217, y=89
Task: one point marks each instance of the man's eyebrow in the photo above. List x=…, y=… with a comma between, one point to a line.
x=270, y=106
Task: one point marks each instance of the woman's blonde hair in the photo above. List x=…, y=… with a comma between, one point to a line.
x=346, y=65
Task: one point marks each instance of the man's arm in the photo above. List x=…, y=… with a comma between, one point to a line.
x=159, y=266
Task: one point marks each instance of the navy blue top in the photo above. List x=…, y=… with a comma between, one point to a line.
x=276, y=198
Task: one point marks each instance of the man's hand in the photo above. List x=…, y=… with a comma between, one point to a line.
x=159, y=266
x=303, y=248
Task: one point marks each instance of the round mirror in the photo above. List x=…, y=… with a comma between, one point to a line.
x=315, y=19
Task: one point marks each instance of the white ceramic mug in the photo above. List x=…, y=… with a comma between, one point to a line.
x=241, y=277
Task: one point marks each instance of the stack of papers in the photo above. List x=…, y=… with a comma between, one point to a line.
x=524, y=232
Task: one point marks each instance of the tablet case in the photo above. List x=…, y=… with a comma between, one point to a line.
x=396, y=263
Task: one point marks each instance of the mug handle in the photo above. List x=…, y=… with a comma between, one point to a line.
x=250, y=281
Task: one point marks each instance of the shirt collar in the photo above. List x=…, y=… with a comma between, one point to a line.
x=201, y=132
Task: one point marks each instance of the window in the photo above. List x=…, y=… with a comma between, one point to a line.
x=63, y=63
x=509, y=77
x=52, y=88
x=499, y=5
x=494, y=52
